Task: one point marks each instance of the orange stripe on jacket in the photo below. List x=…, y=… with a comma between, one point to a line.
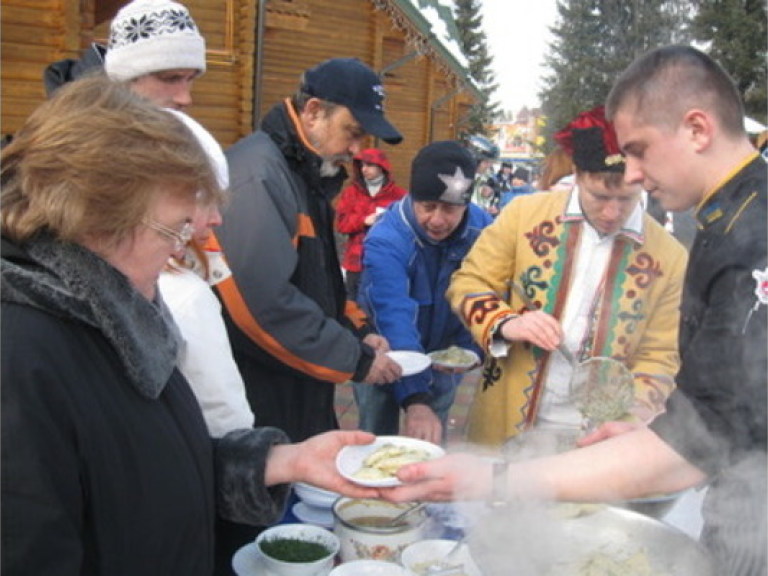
x=304, y=227
x=355, y=314
x=242, y=317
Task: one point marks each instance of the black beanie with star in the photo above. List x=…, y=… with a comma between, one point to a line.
x=443, y=172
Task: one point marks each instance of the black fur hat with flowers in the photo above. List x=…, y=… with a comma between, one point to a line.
x=590, y=140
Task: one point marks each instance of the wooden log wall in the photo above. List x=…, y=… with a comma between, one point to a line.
x=298, y=34
x=33, y=33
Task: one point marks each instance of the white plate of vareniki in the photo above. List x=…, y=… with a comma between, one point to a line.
x=455, y=357
x=376, y=464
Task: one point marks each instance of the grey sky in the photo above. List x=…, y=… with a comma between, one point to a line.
x=518, y=35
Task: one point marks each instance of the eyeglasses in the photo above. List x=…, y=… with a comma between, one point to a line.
x=180, y=237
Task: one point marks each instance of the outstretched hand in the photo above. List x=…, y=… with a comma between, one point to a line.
x=377, y=342
x=383, y=370
x=314, y=462
x=452, y=477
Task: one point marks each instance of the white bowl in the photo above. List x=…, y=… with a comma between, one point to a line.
x=310, y=515
x=314, y=496
x=302, y=532
x=420, y=555
x=368, y=568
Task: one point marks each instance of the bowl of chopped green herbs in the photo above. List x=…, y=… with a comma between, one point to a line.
x=297, y=549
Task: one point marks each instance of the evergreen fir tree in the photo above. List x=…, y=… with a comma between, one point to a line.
x=736, y=34
x=594, y=40
x=473, y=42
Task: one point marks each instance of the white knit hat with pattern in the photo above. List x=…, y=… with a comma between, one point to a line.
x=150, y=36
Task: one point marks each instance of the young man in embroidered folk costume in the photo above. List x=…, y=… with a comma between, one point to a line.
x=607, y=281
x=679, y=120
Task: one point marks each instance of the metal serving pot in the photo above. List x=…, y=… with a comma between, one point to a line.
x=564, y=544
x=364, y=531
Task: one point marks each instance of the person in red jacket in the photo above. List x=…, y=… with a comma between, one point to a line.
x=360, y=205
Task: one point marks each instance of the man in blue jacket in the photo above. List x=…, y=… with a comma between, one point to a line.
x=408, y=258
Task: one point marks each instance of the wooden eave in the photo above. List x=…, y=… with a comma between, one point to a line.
x=418, y=34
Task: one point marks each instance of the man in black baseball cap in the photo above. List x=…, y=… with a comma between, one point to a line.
x=349, y=82
x=294, y=336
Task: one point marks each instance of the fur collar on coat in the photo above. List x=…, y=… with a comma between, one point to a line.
x=70, y=281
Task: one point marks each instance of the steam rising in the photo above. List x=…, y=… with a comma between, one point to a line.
x=528, y=536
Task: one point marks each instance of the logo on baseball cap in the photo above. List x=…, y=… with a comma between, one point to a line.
x=349, y=82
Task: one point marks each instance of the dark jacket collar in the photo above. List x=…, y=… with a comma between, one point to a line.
x=733, y=192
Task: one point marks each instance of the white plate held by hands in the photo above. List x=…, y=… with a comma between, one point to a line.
x=411, y=362
x=350, y=459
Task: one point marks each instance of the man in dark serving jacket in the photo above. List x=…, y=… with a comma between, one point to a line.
x=293, y=334
x=679, y=121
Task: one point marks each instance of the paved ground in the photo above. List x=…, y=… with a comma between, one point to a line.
x=346, y=409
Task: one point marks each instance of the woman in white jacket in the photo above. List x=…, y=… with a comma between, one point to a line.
x=205, y=356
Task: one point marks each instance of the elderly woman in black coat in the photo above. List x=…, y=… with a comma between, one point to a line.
x=107, y=464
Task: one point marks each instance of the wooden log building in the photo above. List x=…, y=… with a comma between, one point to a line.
x=256, y=51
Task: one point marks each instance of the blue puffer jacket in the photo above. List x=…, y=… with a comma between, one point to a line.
x=405, y=277
x=508, y=195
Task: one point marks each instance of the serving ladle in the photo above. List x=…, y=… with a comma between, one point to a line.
x=602, y=388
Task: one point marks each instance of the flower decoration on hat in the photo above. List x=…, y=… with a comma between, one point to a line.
x=590, y=140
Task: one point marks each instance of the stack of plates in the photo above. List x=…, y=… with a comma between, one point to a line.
x=315, y=505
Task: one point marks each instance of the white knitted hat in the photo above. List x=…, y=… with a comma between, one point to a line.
x=150, y=36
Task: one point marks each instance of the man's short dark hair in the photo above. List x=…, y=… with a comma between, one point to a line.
x=663, y=84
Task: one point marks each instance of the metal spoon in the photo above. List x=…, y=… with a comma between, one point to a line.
x=443, y=566
x=601, y=387
x=398, y=520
